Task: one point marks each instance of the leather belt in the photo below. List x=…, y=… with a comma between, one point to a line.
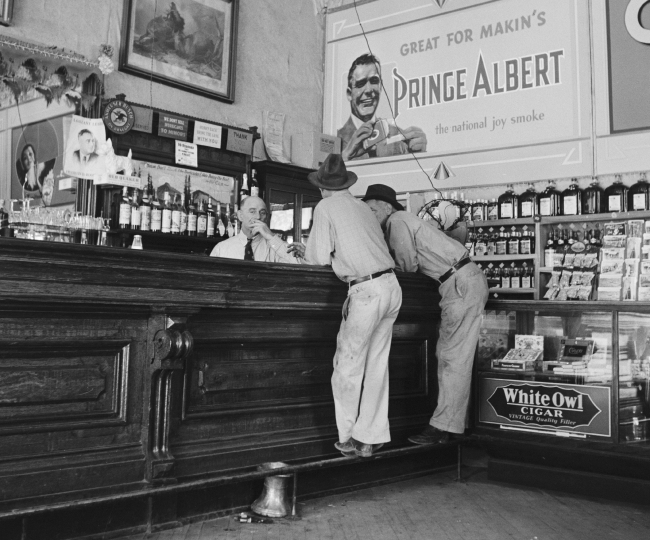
x=371, y=276
x=454, y=269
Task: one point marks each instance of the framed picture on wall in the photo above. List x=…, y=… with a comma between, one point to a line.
x=187, y=44
x=37, y=163
x=6, y=11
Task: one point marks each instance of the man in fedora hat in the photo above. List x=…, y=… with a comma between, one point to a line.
x=346, y=235
x=418, y=245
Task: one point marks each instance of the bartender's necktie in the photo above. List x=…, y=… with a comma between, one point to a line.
x=248, y=251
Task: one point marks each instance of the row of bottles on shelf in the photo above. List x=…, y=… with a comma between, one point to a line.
x=145, y=212
x=562, y=240
x=570, y=202
x=509, y=275
x=503, y=241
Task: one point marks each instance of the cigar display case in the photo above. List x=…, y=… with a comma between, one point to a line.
x=563, y=370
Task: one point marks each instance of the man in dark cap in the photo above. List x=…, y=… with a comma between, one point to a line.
x=346, y=235
x=418, y=245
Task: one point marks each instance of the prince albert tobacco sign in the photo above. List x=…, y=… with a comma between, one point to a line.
x=557, y=407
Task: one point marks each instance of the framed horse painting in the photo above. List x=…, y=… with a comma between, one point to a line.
x=188, y=44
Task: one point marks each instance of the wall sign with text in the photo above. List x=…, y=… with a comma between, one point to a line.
x=546, y=406
x=491, y=76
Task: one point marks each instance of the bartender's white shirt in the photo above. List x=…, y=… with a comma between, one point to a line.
x=274, y=250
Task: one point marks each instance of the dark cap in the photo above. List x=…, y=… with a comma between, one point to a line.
x=380, y=192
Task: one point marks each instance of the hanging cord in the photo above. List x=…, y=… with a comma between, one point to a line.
x=153, y=41
x=388, y=100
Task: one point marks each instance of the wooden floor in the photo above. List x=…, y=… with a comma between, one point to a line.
x=438, y=507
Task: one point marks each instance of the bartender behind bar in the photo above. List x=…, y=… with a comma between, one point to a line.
x=417, y=245
x=255, y=241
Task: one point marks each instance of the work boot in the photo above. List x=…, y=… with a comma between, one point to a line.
x=366, y=450
x=346, y=448
x=430, y=435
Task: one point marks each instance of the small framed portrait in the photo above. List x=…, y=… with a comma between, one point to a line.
x=85, y=148
x=6, y=11
x=188, y=44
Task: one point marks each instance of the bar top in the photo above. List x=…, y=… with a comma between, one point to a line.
x=72, y=273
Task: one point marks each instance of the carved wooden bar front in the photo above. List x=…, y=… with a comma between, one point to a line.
x=122, y=370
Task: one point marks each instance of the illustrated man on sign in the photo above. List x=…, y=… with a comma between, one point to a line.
x=419, y=246
x=364, y=135
x=255, y=241
x=86, y=154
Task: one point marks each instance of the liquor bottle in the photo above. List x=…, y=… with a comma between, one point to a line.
x=201, y=221
x=255, y=187
x=183, y=211
x=145, y=211
x=495, y=277
x=501, y=245
x=229, y=228
x=513, y=243
x=593, y=199
x=560, y=241
x=479, y=210
x=470, y=242
x=550, y=202
x=192, y=218
x=492, y=238
x=526, y=276
x=529, y=202
x=235, y=220
x=493, y=209
x=176, y=216
x=616, y=196
x=124, y=220
x=220, y=228
x=515, y=276
x=212, y=221
x=508, y=204
x=505, y=276
x=638, y=195
x=156, y=214
x=166, y=223
x=595, y=239
x=571, y=239
x=136, y=214
x=549, y=251
x=4, y=220
x=572, y=199
x=244, y=191
x=464, y=210
x=480, y=246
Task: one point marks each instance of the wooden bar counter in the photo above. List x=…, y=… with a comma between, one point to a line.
x=122, y=371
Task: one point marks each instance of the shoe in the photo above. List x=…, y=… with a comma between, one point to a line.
x=430, y=435
x=366, y=450
x=346, y=448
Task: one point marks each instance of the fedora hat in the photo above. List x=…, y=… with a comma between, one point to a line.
x=332, y=174
x=380, y=192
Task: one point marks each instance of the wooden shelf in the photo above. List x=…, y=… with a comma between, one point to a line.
x=511, y=291
x=501, y=222
x=609, y=216
x=171, y=242
x=504, y=258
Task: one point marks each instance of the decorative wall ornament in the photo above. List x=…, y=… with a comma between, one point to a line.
x=51, y=71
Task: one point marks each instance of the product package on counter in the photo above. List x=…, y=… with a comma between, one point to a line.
x=635, y=228
x=617, y=228
x=609, y=293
